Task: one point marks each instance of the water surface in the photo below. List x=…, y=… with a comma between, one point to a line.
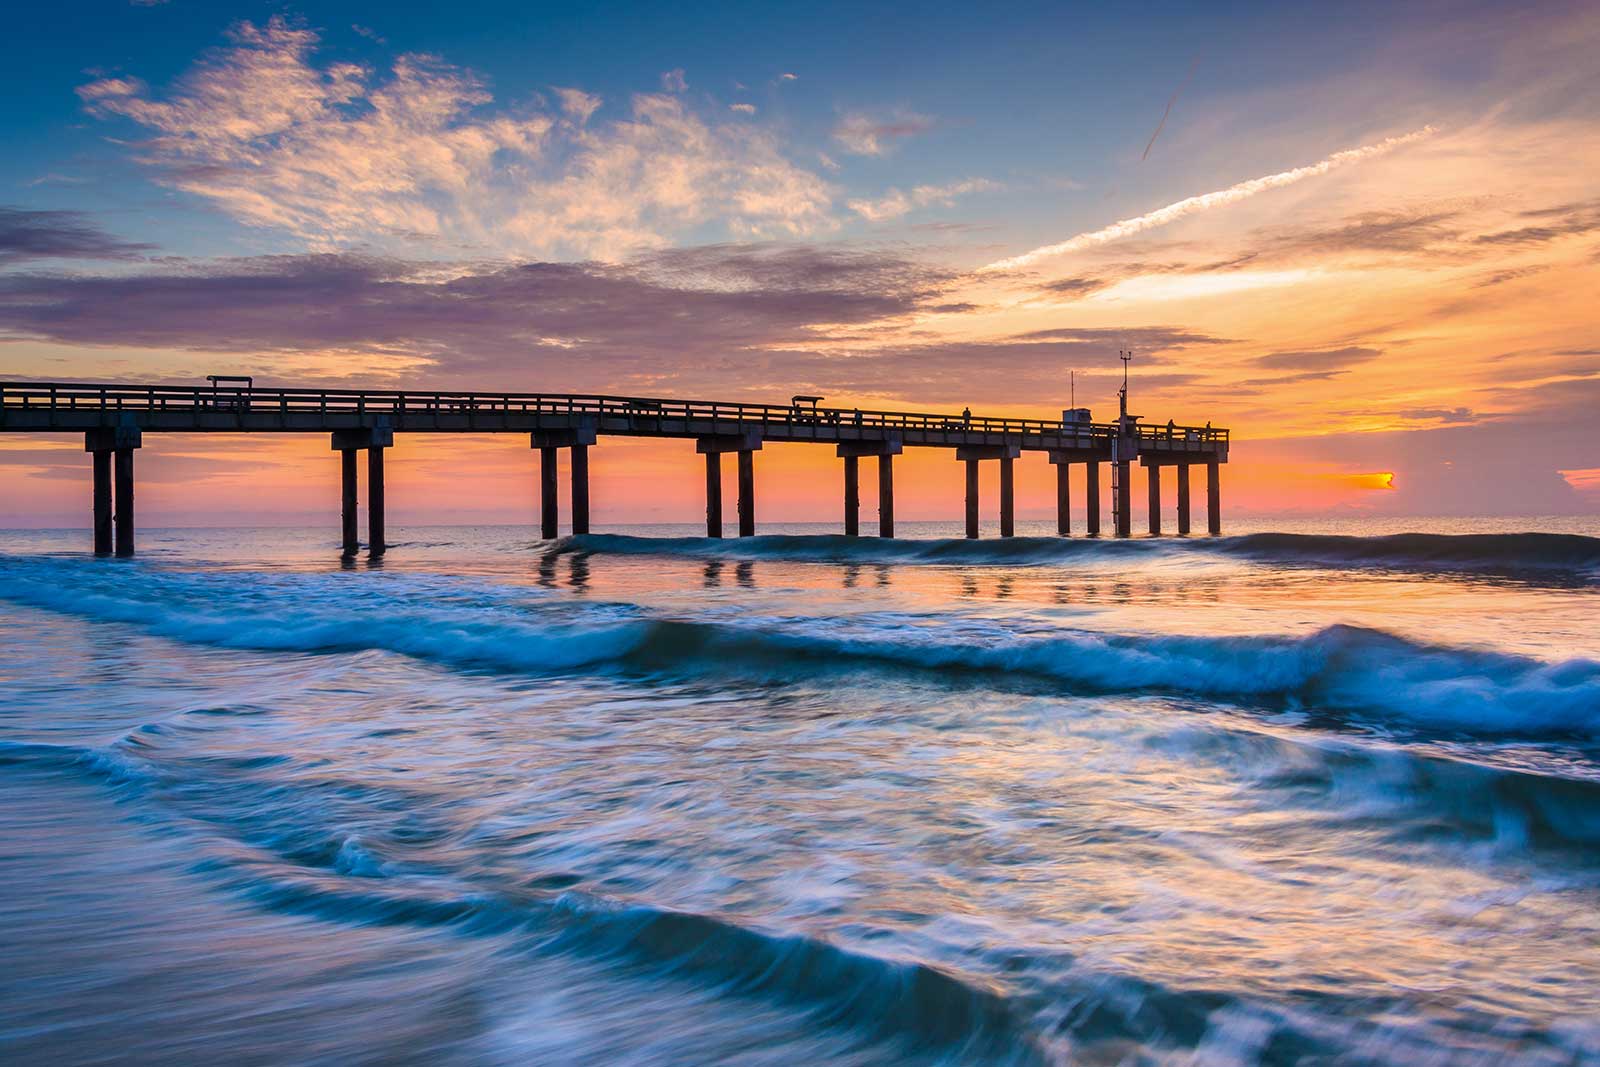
x=645, y=798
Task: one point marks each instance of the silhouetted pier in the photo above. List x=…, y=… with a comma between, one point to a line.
x=114, y=418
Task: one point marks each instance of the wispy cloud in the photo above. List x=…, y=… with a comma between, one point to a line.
x=339, y=155
x=1222, y=197
x=579, y=105
x=895, y=203
x=862, y=134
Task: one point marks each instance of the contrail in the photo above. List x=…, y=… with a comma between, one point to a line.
x=1232, y=194
x=1173, y=99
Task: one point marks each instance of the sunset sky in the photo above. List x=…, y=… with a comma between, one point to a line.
x=1364, y=237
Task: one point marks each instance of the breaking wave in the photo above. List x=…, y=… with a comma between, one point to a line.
x=1340, y=669
x=1490, y=552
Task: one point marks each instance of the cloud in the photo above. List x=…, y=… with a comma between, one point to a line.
x=743, y=109
x=787, y=77
x=339, y=156
x=1567, y=220
x=1206, y=201
x=672, y=81
x=26, y=235
x=1501, y=277
x=895, y=203
x=1320, y=360
x=862, y=134
x=682, y=314
x=578, y=104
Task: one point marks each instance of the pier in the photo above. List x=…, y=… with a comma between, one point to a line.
x=114, y=419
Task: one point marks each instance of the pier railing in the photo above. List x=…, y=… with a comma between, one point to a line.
x=62, y=396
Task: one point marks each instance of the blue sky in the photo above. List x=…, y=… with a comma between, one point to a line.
x=1055, y=101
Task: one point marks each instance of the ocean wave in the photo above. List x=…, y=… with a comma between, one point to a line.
x=1512, y=551
x=1339, y=669
x=1516, y=552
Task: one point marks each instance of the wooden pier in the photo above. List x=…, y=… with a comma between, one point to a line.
x=114, y=418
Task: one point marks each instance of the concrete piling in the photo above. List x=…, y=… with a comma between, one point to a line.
x=580, y=488
x=1153, y=477
x=886, y=495
x=747, y=493
x=1008, y=497
x=852, y=496
x=549, y=501
x=1183, y=499
x=1213, y=497
x=972, y=498
x=102, y=502
x=124, y=501
x=713, y=494
x=376, y=546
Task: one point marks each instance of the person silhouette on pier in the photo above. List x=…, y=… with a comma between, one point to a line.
x=966, y=416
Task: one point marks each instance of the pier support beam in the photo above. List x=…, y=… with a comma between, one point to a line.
x=347, y=513
x=1213, y=497
x=374, y=439
x=376, y=545
x=972, y=498
x=1063, y=499
x=1122, y=497
x=852, y=496
x=549, y=444
x=713, y=494
x=712, y=448
x=1153, y=476
x=886, y=495
x=747, y=493
x=971, y=455
x=549, y=490
x=1008, y=497
x=850, y=452
x=1091, y=498
x=580, y=489
x=102, y=502
x=124, y=501
x=1183, y=499
x=112, y=449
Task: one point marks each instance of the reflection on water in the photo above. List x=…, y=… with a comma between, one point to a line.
x=689, y=803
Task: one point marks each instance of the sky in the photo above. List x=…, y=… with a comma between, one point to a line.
x=1365, y=238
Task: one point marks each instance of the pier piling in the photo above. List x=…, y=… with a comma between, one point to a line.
x=972, y=498
x=124, y=501
x=886, y=495
x=1008, y=498
x=549, y=500
x=1063, y=499
x=1183, y=499
x=852, y=496
x=1213, y=498
x=747, y=493
x=102, y=502
x=347, y=513
x=1091, y=498
x=713, y=494
x=1153, y=476
x=580, y=488
x=376, y=545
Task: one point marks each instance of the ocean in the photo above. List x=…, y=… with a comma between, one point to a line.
x=1312, y=793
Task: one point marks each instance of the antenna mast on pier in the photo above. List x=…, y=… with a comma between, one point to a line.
x=1122, y=394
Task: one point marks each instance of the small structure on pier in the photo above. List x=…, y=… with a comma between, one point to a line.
x=114, y=418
